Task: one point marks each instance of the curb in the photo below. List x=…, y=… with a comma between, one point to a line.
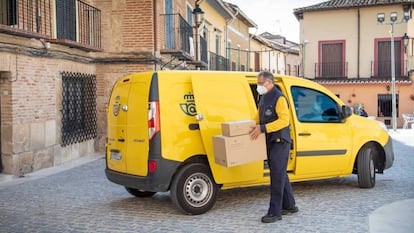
x=7, y=180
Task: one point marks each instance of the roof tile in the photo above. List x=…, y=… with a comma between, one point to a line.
x=338, y=4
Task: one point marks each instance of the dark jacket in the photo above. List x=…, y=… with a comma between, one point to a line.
x=268, y=113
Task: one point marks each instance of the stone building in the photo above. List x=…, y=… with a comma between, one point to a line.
x=347, y=48
x=59, y=60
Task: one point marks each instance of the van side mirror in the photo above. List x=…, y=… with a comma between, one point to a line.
x=346, y=111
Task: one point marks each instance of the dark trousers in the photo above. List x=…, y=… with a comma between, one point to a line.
x=281, y=195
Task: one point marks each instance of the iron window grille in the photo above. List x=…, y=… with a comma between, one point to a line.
x=385, y=105
x=78, y=107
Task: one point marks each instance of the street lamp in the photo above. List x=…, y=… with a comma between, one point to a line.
x=198, y=14
x=406, y=39
x=393, y=20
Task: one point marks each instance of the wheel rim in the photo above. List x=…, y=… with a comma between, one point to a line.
x=198, y=189
x=371, y=167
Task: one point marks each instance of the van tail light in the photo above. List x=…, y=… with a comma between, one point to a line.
x=153, y=119
x=152, y=166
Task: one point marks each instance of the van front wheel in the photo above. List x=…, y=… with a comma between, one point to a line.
x=366, y=167
x=193, y=190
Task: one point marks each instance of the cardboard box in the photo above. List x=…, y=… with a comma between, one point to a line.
x=236, y=128
x=238, y=150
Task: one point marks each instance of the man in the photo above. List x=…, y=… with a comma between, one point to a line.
x=273, y=119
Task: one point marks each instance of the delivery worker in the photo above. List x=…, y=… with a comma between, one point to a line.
x=273, y=119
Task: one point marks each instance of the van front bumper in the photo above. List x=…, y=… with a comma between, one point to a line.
x=389, y=153
x=158, y=181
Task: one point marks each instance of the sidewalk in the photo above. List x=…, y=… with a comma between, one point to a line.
x=9, y=180
x=395, y=217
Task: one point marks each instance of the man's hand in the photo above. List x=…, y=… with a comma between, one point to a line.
x=255, y=132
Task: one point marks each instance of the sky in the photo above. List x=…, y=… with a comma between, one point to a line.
x=275, y=16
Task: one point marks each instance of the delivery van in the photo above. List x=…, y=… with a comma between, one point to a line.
x=161, y=126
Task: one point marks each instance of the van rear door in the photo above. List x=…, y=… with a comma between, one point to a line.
x=116, y=147
x=221, y=98
x=128, y=134
x=139, y=117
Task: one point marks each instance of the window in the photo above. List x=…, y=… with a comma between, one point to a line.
x=229, y=51
x=331, y=59
x=383, y=58
x=189, y=15
x=218, y=44
x=314, y=106
x=78, y=107
x=256, y=61
x=238, y=58
x=66, y=19
x=8, y=12
x=247, y=60
x=385, y=105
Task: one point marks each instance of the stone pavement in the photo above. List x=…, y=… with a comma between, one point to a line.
x=81, y=199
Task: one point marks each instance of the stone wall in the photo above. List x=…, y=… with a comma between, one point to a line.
x=31, y=100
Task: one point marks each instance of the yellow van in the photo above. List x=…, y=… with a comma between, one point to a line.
x=161, y=125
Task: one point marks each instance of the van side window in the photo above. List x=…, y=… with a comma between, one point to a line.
x=314, y=106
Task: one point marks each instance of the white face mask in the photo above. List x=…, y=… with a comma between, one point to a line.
x=261, y=89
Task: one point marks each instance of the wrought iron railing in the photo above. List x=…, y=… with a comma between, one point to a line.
x=89, y=21
x=76, y=20
x=26, y=16
x=203, y=50
x=218, y=62
x=78, y=107
x=178, y=34
x=331, y=69
x=382, y=69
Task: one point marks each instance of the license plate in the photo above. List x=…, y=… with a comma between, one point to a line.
x=115, y=155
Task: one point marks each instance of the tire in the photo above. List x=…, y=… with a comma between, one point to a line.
x=366, y=167
x=193, y=190
x=139, y=193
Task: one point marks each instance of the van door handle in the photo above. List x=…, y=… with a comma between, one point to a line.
x=121, y=140
x=199, y=117
x=305, y=134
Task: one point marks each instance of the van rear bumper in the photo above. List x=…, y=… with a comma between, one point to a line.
x=158, y=181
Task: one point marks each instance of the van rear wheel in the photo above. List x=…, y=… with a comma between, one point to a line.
x=366, y=167
x=139, y=193
x=193, y=190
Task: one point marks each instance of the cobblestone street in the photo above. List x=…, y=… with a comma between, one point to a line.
x=83, y=200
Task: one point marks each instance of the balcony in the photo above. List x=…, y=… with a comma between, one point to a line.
x=203, y=62
x=331, y=70
x=27, y=18
x=218, y=62
x=179, y=39
x=382, y=69
x=77, y=24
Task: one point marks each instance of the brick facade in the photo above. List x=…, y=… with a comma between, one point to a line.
x=31, y=99
x=130, y=38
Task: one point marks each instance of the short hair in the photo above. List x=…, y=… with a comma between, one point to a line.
x=267, y=76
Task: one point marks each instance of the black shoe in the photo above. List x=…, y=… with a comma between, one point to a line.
x=290, y=210
x=268, y=218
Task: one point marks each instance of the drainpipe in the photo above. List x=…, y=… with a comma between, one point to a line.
x=359, y=41
x=154, y=5
x=228, y=22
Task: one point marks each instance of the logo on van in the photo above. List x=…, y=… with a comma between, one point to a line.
x=116, y=106
x=188, y=107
